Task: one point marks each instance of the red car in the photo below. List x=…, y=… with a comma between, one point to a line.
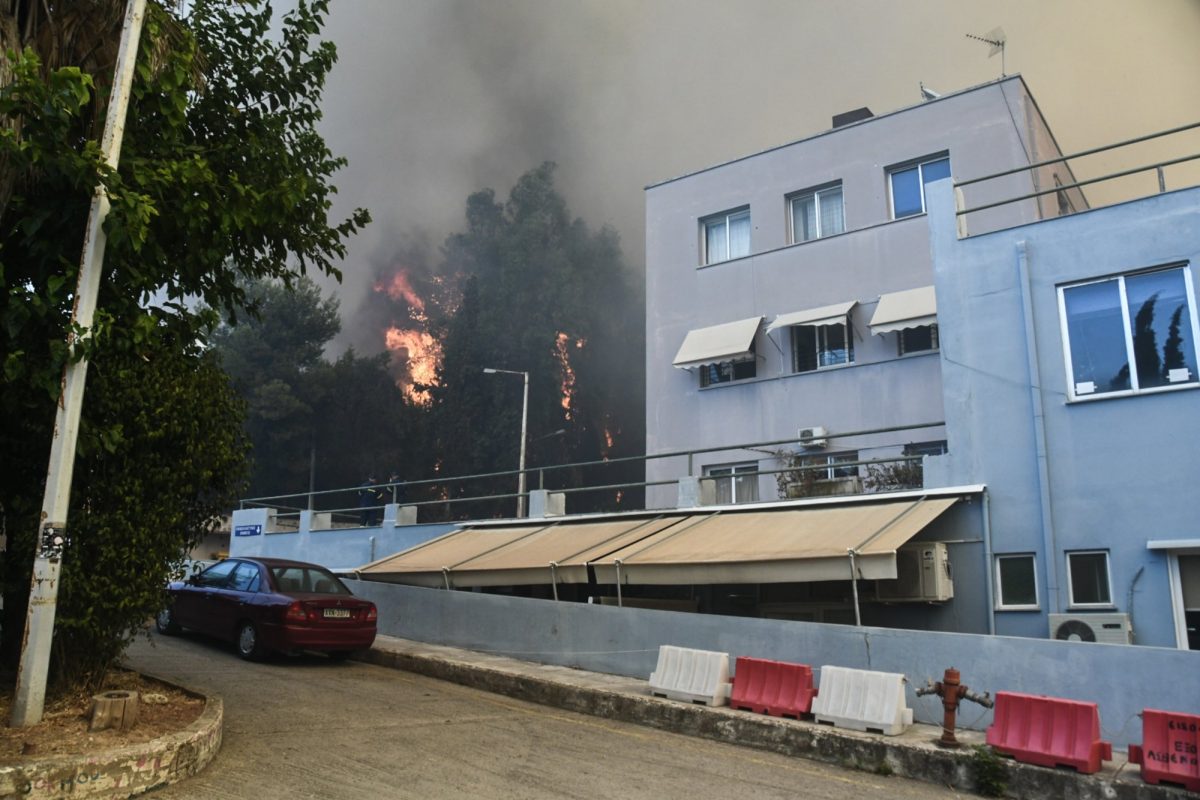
x=266, y=605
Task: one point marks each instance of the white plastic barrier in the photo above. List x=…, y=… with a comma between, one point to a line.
x=862, y=700
x=693, y=676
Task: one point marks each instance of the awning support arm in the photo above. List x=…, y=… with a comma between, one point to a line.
x=446, y=577
x=854, y=587
x=554, y=578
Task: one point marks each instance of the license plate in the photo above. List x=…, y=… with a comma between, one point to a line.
x=337, y=613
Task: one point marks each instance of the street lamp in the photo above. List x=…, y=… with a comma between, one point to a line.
x=524, y=420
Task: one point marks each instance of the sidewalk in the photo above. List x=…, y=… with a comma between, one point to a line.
x=912, y=754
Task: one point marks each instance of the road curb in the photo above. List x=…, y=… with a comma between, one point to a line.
x=912, y=757
x=123, y=771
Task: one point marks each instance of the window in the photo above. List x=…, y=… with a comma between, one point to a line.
x=817, y=346
x=734, y=483
x=919, y=339
x=217, y=575
x=245, y=578
x=908, y=184
x=1016, y=582
x=726, y=236
x=1087, y=577
x=936, y=448
x=818, y=213
x=835, y=465
x=727, y=371
x=1145, y=319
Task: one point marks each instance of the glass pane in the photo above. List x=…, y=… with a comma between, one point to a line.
x=914, y=340
x=746, y=484
x=834, y=347
x=935, y=170
x=804, y=348
x=1096, y=334
x=739, y=235
x=1189, y=578
x=843, y=472
x=906, y=193
x=714, y=242
x=804, y=218
x=832, y=217
x=1017, y=584
x=1162, y=326
x=1089, y=578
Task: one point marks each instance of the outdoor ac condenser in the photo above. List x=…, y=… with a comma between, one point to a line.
x=1104, y=628
x=922, y=575
x=813, y=436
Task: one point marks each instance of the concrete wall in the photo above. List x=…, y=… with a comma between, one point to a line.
x=1117, y=472
x=983, y=131
x=336, y=548
x=625, y=641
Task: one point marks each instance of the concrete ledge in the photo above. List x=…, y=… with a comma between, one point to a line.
x=912, y=755
x=123, y=771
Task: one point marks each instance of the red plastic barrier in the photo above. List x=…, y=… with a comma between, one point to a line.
x=778, y=688
x=1048, y=731
x=1168, y=753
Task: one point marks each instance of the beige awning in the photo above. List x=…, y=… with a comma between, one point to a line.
x=908, y=309
x=780, y=545
x=825, y=315
x=809, y=544
x=513, y=556
x=729, y=342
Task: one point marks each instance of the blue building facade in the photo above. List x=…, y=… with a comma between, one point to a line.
x=1069, y=373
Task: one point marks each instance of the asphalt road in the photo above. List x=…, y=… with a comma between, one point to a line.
x=306, y=727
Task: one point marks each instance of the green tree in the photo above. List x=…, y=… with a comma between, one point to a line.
x=222, y=177
x=543, y=294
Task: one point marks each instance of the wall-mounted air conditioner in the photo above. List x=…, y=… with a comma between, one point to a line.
x=1104, y=628
x=922, y=575
x=813, y=437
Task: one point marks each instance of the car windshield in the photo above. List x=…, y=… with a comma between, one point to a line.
x=307, y=579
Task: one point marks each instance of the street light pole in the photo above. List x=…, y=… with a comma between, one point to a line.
x=524, y=426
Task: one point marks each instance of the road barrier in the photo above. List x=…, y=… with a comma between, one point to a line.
x=693, y=676
x=776, y=688
x=1169, y=749
x=862, y=700
x=1048, y=731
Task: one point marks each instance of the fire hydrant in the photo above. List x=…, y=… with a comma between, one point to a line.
x=952, y=691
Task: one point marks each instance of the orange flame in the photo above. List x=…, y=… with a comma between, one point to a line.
x=398, y=287
x=419, y=354
x=562, y=349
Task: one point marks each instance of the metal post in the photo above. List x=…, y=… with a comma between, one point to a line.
x=521, y=466
x=854, y=587
x=1162, y=181
x=30, y=699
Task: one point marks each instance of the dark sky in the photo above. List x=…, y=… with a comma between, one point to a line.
x=434, y=99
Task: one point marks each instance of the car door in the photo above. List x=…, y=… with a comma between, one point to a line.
x=194, y=602
x=232, y=603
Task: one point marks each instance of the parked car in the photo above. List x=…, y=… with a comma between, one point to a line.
x=266, y=605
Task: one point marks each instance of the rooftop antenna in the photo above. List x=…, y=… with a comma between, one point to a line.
x=994, y=37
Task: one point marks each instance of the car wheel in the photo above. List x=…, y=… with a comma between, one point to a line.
x=165, y=622
x=249, y=646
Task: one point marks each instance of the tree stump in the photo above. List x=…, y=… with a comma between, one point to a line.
x=114, y=710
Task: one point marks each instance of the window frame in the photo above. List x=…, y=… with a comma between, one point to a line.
x=1000, y=605
x=815, y=194
x=1071, y=602
x=1065, y=333
x=820, y=340
x=724, y=218
x=919, y=164
x=704, y=369
x=732, y=472
x=935, y=342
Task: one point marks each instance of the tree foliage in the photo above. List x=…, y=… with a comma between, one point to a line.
x=222, y=178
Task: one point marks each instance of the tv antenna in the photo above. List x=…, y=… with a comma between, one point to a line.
x=994, y=37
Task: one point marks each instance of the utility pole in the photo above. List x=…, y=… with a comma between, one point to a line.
x=30, y=699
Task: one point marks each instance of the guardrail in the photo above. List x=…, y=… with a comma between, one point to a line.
x=485, y=495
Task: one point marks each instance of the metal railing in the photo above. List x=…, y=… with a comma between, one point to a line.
x=446, y=498
x=1157, y=166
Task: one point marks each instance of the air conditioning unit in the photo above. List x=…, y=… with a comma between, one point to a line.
x=1103, y=628
x=813, y=437
x=922, y=575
